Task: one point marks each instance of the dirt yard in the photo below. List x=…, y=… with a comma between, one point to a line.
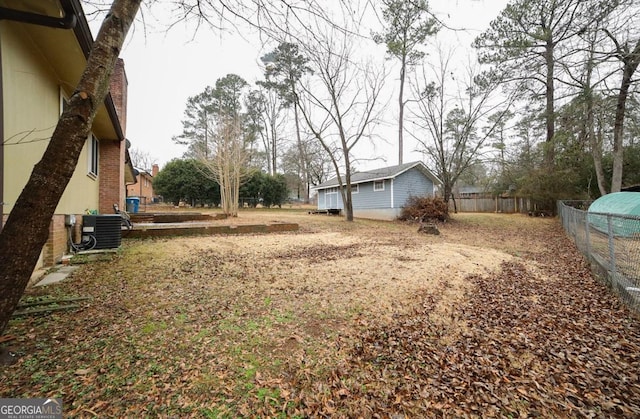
x=498, y=316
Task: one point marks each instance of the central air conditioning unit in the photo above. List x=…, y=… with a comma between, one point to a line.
x=104, y=228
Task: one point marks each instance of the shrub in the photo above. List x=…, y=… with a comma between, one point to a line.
x=425, y=209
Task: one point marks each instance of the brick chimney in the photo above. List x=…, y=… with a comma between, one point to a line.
x=118, y=90
x=154, y=170
x=112, y=150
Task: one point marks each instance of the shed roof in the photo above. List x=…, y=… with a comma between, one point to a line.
x=382, y=174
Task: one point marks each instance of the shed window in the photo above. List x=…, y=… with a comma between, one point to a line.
x=332, y=190
x=355, y=189
x=378, y=185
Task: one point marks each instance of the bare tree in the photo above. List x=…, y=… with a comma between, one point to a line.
x=447, y=124
x=270, y=116
x=340, y=103
x=627, y=51
x=142, y=159
x=605, y=52
x=227, y=163
x=26, y=229
x=284, y=67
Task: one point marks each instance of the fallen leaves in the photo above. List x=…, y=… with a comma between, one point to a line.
x=343, y=320
x=556, y=355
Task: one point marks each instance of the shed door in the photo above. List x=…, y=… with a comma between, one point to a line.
x=332, y=200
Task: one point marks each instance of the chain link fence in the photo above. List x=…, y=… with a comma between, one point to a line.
x=611, y=242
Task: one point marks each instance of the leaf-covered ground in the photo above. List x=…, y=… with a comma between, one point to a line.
x=498, y=316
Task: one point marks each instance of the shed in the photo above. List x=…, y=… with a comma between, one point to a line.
x=380, y=193
x=622, y=208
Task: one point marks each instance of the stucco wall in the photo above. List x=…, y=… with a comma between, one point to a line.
x=31, y=98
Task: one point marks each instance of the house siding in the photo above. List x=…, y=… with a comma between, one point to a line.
x=370, y=199
x=411, y=183
x=31, y=97
x=32, y=79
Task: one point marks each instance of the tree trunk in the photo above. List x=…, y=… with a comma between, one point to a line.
x=446, y=194
x=549, y=152
x=596, y=146
x=401, y=110
x=595, y=142
x=274, y=152
x=630, y=61
x=303, y=157
x=26, y=229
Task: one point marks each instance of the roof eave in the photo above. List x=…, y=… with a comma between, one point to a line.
x=85, y=39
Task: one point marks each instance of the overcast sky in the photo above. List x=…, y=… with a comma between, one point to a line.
x=164, y=69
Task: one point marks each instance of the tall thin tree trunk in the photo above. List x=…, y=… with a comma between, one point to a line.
x=403, y=68
x=348, y=202
x=630, y=61
x=303, y=157
x=274, y=152
x=595, y=143
x=26, y=229
x=549, y=108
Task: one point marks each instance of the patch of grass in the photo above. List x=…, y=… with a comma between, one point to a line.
x=181, y=318
x=223, y=412
x=153, y=327
x=283, y=317
x=252, y=325
x=202, y=335
x=268, y=395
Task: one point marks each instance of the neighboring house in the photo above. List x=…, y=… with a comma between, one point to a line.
x=143, y=188
x=44, y=45
x=380, y=193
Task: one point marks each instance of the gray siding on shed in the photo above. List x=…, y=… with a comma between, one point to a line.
x=368, y=198
x=400, y=183
x=410, y=183
x=329, y=200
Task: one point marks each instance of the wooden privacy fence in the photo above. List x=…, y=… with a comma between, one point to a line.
x=495, y=204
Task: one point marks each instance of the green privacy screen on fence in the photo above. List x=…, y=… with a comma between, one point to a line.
x=620, y=204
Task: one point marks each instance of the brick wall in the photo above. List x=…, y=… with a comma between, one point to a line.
x=118, y=89
x=58, y=242
x=143, y=188
x=112, y=151
x=111, y=175
x=56, y=245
